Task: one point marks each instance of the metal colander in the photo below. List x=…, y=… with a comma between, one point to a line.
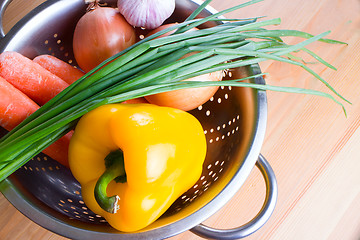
x=234, y=121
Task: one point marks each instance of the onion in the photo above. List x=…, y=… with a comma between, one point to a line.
x=99, y=34
x=190, y=98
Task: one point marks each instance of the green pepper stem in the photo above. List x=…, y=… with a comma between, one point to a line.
x=114, y=169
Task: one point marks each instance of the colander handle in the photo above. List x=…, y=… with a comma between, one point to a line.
x=3, y=6
x=258, y=221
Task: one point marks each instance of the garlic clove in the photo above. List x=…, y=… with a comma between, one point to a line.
x=148, y=14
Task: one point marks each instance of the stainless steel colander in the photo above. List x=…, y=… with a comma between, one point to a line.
x=234, y=121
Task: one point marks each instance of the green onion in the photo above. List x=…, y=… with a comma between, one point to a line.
x=155, y=65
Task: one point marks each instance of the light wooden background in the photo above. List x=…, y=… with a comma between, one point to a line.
x=313, y=148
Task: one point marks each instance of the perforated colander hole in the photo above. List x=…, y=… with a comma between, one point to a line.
x=206, y=186
x=56, y=47
x=61, y=204
x=85, y=212
x=223, y=126
x=177, y=209
x=78, y=210
x=212, y=99
x=193, y=198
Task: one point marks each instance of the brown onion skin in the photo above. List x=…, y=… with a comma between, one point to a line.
x=100, y=34
x=190, y=98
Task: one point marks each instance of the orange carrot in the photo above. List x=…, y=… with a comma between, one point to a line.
x=29, y=77
x=60, y=68
x=15, y=106
x=59, y=150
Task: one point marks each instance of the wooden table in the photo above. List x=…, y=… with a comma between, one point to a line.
x=313, y=148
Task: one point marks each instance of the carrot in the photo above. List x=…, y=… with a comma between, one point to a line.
x=15, y=106
x=59, y=150
x=58, y=67
x=29, y=77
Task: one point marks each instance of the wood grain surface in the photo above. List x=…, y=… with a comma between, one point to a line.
x=313, y=148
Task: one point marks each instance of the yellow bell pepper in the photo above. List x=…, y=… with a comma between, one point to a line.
x=134, y=160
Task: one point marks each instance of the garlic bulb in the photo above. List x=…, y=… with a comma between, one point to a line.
x=148, y=14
